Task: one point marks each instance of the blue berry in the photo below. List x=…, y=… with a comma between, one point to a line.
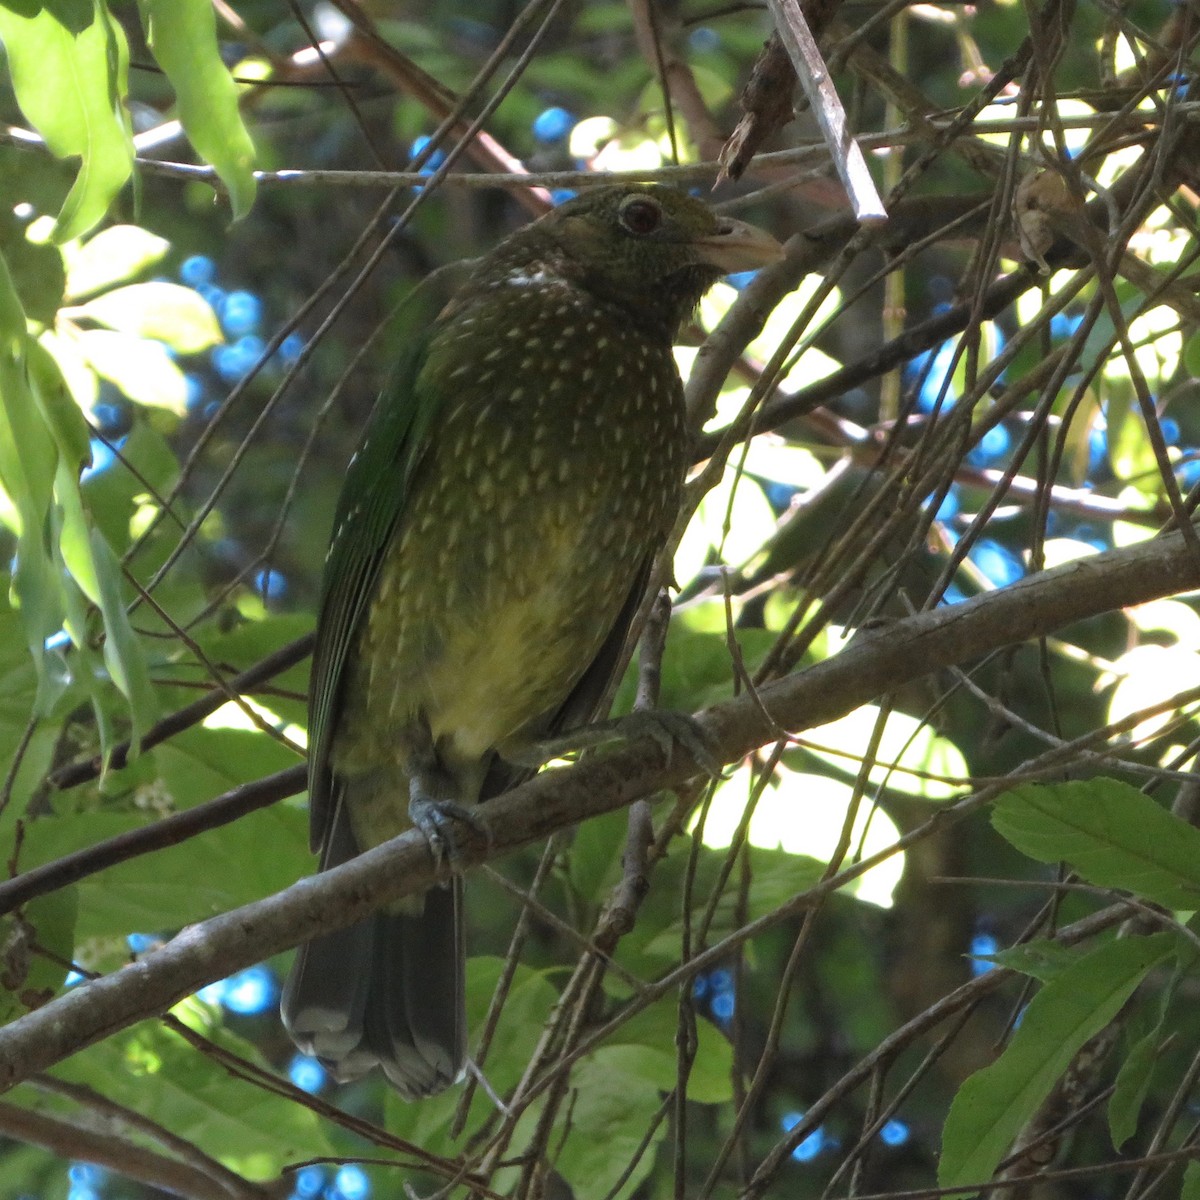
x=240, y=313
x=553, y=124
x=198, y=269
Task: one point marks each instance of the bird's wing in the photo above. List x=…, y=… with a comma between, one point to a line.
x=372, y=500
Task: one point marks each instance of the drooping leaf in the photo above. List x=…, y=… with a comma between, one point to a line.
x=123, y=652
x=1137, y=1071
x=27, y=464
x=1132, y=1084
x=59, y=410
x=71, y=84
x=183, y=36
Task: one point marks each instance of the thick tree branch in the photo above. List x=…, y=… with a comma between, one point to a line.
x=872, y=663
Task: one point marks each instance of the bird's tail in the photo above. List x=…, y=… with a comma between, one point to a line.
x=388, y=991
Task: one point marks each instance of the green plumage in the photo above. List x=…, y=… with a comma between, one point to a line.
x=492, y=541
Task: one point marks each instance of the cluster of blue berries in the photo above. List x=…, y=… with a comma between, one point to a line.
x=715, y=997
x=241, y=316
x=893, y=1134
x=348, y=1182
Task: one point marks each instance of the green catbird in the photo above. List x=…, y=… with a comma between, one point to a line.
x=492, y=542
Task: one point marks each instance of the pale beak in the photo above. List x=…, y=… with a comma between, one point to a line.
x=737, y=246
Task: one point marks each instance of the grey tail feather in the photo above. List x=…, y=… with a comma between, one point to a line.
x=388, y=991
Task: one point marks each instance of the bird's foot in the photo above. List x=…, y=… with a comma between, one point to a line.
x=436, y=820
x=668, y=730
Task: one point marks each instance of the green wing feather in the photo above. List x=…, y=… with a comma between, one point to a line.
x=370, y=506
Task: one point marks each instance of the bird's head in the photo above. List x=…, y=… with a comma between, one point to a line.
x=652, y=251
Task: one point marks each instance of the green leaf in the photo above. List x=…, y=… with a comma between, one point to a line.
x=595, y=854
x=27, y=464
x=151, y=1069
x=219, y=870
x=651, y=1034
x=1132, y=1084
x=112, y=495
x=59, y=410
x=1137, y=1071
x=28, y=978
x=71, y=87
x=75, y=541
x=994, y=1104
x=183, y=36
x=1191, y=1182
x=18, y=691
x=1044, y=958
x=76, y=15
x=167, y=312
x=143, y=370
x=1111, y=833
x=37, y=269
x=123, y=654
x=113, y=255
x=1191, y=356
x=615, y=1101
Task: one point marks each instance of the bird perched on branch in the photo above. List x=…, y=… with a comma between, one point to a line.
x=492, y=542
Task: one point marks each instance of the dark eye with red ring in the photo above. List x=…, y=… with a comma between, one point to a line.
x=641, y=216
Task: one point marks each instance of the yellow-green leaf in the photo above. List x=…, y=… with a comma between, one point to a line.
x=110, y=257
x=142, y=370
x=165, y=311
x=183, y=37
x=71, y=88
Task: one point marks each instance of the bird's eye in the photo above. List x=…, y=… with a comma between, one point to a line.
x=641, y=216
